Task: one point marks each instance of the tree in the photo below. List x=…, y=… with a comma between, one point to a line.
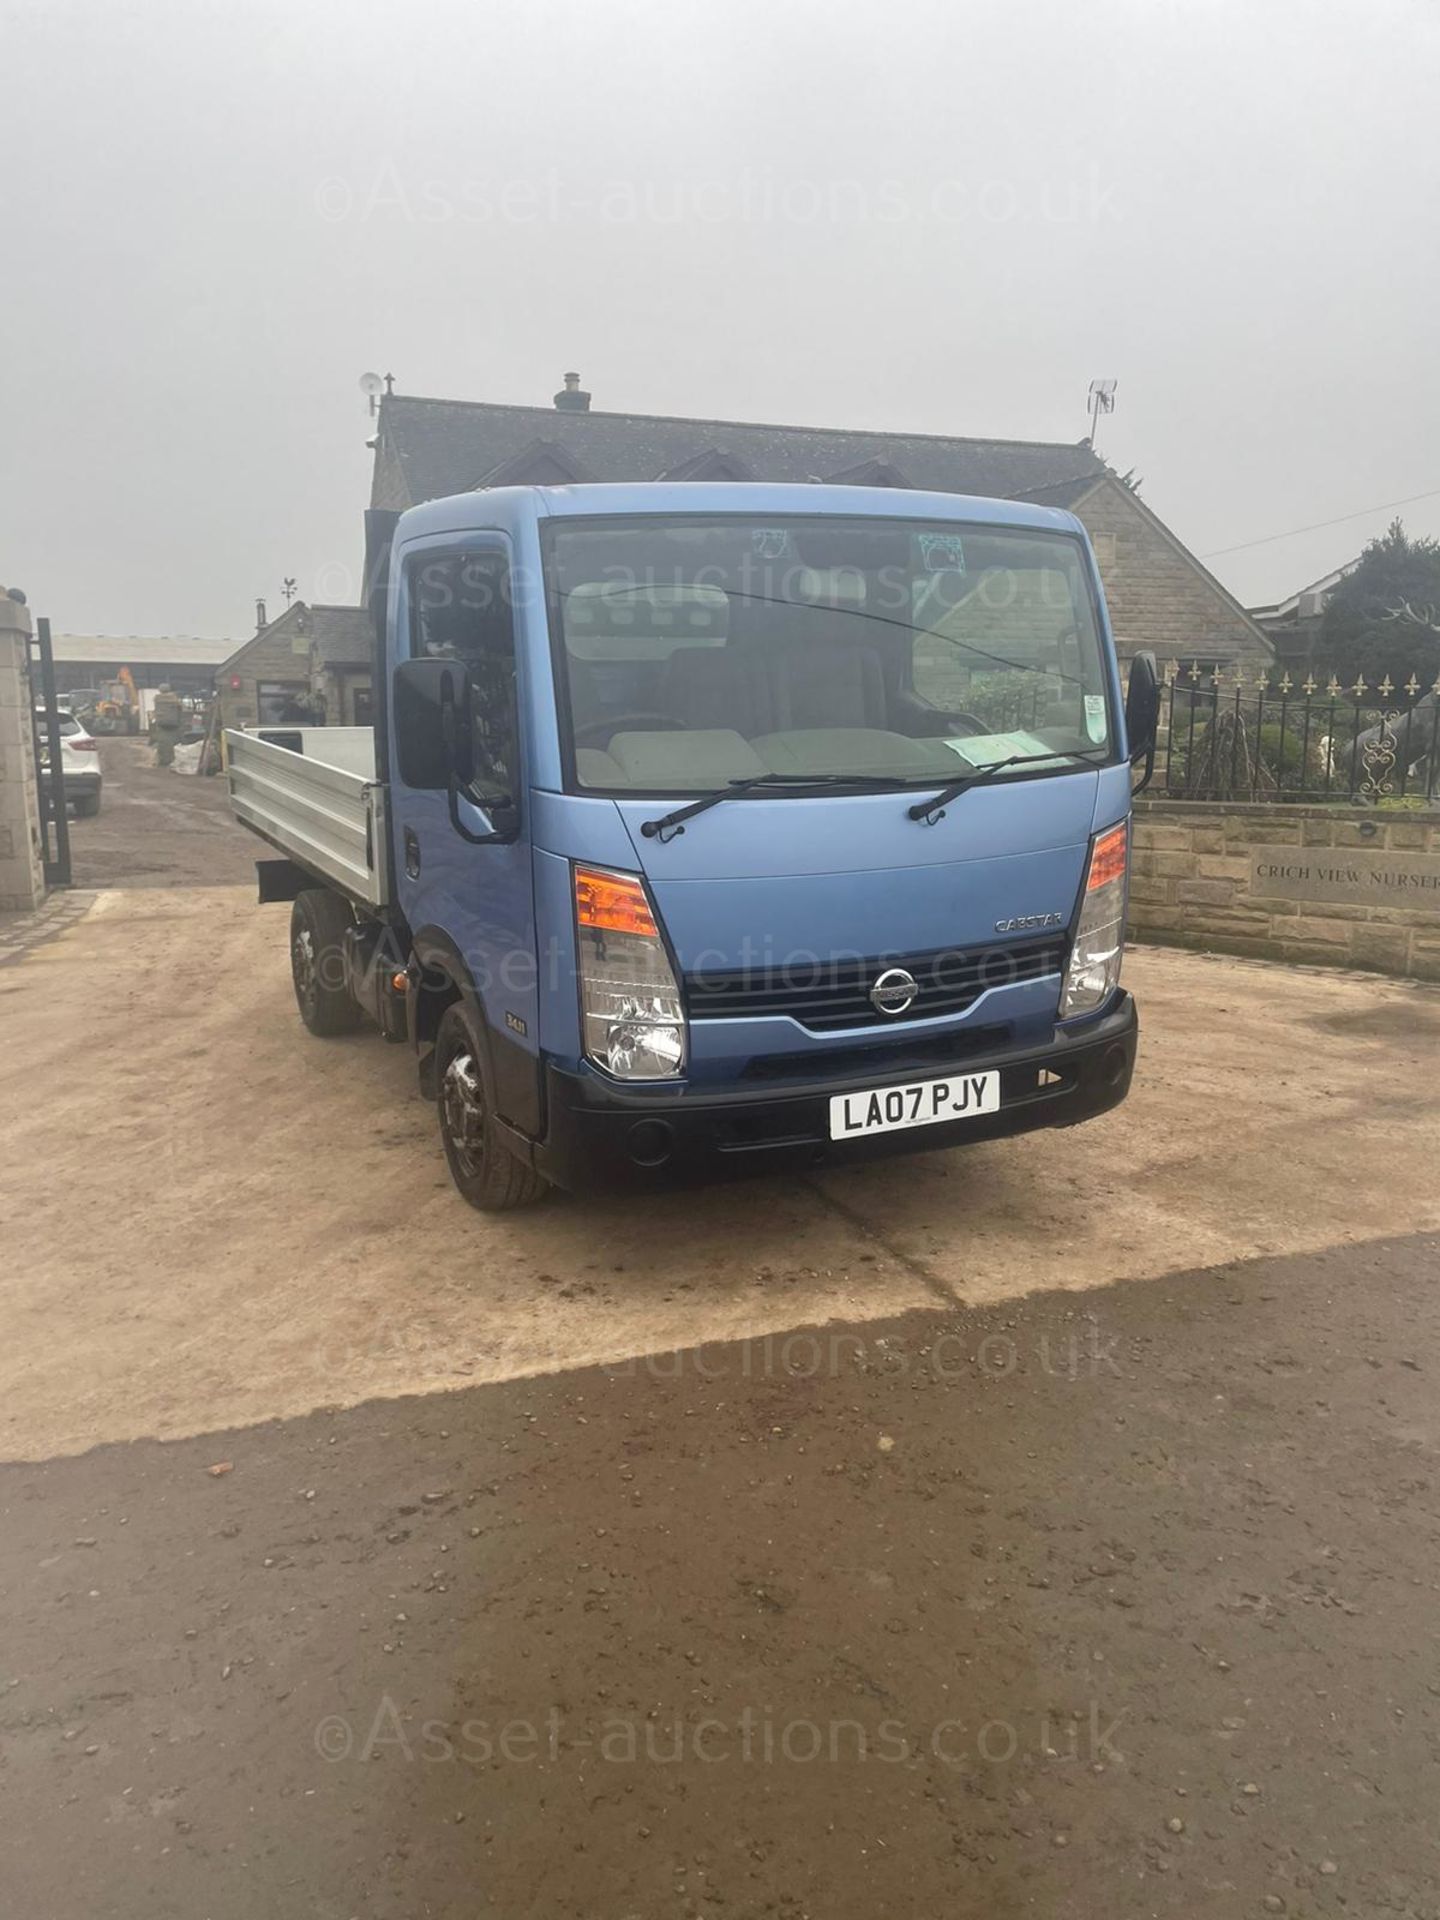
x=1384, y=617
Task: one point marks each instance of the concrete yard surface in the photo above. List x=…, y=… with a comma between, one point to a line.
x=269, y=1227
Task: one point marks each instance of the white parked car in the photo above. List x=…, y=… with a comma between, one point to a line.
x=79, y=761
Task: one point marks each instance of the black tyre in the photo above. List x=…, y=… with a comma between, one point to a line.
x=483, y=1168
x=87, y=806
x=318, y=921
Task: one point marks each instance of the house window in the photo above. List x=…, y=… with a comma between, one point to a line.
x=1104, y=545
x=283, y=703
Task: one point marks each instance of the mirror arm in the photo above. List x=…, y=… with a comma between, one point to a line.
x=468, y=833
x=1147, y=754
x=452, y=785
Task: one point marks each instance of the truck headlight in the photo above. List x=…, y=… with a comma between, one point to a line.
x=632, y=1020
x=1094, y=969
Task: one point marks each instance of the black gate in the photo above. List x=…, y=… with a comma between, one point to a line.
x=49, y=762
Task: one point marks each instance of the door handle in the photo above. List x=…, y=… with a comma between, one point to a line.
x=412, y=853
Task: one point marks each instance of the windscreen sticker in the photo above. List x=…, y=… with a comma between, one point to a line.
x=770, y=543
x=1095, y=724
x=984, y=749
x=942, y=552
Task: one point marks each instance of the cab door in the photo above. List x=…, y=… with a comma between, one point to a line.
x=474, y=903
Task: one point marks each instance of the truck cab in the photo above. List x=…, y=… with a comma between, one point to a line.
x=729, y=827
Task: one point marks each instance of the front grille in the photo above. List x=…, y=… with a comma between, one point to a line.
x=825, y=994
x=922, y=1057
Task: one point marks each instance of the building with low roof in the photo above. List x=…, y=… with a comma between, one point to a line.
x=1160, y=596
x=1293, y=624
x=85, y=660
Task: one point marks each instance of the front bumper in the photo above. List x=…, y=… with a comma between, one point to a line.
x=602, y=1136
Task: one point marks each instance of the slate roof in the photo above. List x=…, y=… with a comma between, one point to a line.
x=343, y=636
x=339, y=636
x=1062, y=493
x=429, y=448
x=426, y=449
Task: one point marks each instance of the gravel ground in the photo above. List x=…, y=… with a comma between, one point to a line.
x=158, y=828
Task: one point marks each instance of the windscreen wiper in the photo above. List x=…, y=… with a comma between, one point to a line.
x=671, y=824
x=933, y=810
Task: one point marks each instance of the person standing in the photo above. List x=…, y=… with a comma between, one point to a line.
x=167, y=723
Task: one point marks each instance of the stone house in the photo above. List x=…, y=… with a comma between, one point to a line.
x=1160, y=595
x=309, y=661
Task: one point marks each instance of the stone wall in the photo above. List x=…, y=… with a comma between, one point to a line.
x=1334, y=886
x=1158, y=594
x=22, y=878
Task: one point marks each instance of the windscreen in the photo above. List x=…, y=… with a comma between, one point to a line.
x=701, y=652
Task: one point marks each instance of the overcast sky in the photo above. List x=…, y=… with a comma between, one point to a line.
x=936, y=215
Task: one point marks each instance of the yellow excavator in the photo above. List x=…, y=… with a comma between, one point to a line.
x=118, y=709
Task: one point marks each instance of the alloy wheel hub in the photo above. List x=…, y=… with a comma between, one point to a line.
x=464, y=1111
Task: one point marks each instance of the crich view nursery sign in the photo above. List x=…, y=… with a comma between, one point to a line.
x=1356, y=879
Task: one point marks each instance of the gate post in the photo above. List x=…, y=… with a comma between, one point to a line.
x=22, y=879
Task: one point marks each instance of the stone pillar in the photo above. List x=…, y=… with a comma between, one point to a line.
x=22, y=878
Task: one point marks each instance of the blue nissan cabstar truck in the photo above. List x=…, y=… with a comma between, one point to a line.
x=717, y=827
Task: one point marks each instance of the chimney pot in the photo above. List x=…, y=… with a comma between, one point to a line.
x=572, y=397
x=260, y=620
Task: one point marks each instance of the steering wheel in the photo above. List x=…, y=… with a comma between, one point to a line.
x=598, y=732
x=969, y=720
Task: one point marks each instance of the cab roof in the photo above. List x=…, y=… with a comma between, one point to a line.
x=510, y=507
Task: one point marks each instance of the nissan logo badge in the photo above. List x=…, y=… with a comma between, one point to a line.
x=894, y=991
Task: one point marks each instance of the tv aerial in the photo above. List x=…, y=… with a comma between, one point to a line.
x=1101, y=399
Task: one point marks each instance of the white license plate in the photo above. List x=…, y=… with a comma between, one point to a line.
x=928, y=1103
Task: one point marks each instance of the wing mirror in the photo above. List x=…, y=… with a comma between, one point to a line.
x=1142, y=715
x=434, y=738
x=426, y=756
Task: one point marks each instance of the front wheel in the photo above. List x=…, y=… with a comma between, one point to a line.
x=482, y=1166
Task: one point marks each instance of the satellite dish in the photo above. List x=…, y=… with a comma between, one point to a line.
x=371, y=384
